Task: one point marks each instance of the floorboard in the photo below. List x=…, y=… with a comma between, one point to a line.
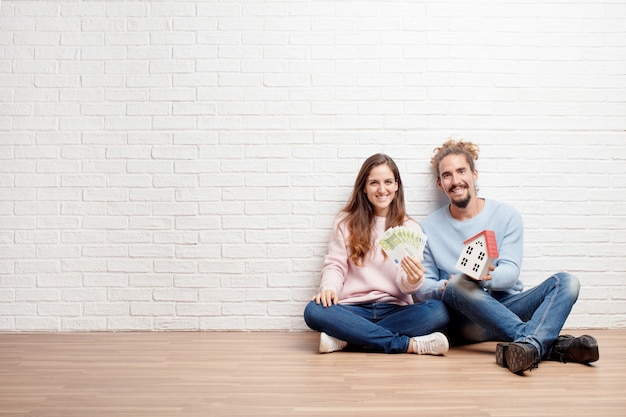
x=155, y=374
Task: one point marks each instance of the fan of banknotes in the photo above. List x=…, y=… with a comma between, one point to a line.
x=400, y=241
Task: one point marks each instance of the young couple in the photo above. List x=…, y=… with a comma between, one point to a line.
x=368, y=302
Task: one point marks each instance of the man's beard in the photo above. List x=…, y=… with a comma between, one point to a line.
x=462, y=203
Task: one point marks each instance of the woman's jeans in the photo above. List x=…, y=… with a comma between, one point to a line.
x=534, y=316
x=380, y=327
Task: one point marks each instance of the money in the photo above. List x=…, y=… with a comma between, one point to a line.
x=400, y=241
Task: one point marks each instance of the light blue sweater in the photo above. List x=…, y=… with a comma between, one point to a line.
x=445, y=243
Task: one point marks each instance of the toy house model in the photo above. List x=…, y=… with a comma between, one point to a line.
x=478, y=254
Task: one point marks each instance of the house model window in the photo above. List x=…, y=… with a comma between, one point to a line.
x=478, y=254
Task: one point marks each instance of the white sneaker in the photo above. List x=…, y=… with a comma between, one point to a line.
x=431, y=344
x=330, y=344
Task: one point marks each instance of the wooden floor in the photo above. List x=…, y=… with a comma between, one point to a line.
x=281, y=374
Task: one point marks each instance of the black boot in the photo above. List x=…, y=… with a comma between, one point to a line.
x=517, y=357
x=567, y=348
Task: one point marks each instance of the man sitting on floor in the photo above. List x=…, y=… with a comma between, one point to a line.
x=494, y=307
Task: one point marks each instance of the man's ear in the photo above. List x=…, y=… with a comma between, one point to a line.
x=438, y=182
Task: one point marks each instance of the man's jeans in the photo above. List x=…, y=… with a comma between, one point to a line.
x=380, y=327
x=534, y=316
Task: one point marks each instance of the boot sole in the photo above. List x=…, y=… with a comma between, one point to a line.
x=517, y=358
x=501, y=349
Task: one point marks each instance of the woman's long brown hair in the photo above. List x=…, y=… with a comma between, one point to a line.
x=359, y=211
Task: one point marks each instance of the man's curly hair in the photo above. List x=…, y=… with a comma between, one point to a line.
x=453, y=147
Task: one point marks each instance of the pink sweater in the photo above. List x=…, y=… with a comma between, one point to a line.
x=377, y=280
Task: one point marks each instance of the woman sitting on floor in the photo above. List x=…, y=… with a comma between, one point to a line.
x=364, y=298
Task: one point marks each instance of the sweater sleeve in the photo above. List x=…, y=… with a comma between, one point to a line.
x=505, y=276
x=431, y=285
x=335, y=266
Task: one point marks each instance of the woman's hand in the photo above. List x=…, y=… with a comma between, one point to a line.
x=326, y=297
x=414, y=269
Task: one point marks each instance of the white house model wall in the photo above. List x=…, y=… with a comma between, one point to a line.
x=478, y=254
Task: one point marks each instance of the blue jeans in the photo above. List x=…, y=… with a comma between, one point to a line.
x=534, y=316
x=379, y=327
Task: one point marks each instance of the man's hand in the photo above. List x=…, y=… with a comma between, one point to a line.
x=488, y=276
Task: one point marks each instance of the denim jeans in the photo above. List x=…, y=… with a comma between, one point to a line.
x=534, y=316
x=379, y=327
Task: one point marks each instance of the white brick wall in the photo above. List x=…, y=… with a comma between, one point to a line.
x=177, y=164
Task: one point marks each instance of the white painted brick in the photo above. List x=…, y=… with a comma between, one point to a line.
x=199, y=309
x=176, y=324
x=195, y=24
x=107, y=309
x=83, y=295
x=285, y=309
x=6, y=237
x=181, y=209
x=59, y=309
x=222, y=323
x=81, y=123
x=220, y=267
x=148, y=167
x=57, y=252
x=18, y=281
x=36, y=323
x=104, y=280
x=141, y=109
x=178, y=267
x=267, y=323
x=181, y=238
x=175, y=166
x=266, y=295
x=248, y=309
x=83, y=265
x=18, y=309
x=151, y=309
x=7, y=296
x=172, y=94
x=82, y=237
x=150, y=251
x=172, y=38
x=59, y=280
x=196, y=281
x=174, y=123
x=7, y=324
x=105, y=222
x=83, y=324
x=36, y=295
x=129, y=294
x=150, y=280
x=130, y=323
x=129, y=265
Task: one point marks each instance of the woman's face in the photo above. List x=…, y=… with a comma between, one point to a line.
x=381, y=187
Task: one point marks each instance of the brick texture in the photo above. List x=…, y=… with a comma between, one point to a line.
x=176, y=165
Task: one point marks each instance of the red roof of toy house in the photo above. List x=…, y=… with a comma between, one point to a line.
x=490, y=239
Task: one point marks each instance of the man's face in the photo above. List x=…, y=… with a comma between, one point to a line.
x=456, y=179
